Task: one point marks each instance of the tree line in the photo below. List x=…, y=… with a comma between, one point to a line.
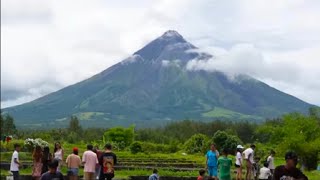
x=294, y=131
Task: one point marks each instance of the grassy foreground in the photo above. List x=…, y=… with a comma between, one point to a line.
x=198, y=158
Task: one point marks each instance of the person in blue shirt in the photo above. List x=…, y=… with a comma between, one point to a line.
x=212, y=162
x=154, y=176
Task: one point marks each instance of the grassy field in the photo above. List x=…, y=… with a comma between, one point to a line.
x=225, y=113
x=127, y=156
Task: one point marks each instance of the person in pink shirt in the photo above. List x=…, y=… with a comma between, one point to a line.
x=90, y=160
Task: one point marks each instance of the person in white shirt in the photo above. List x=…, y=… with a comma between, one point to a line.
x=58, y=154
x=270, y=161
x=239, y=162
x=90, y=160
x=249, y=157
x=265, y=173
x=15, y=163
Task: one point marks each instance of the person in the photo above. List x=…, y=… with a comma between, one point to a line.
x=15, y=163
x=98, y=167
x=37, y=162
x=270, y=161
x=238, y=163
x=289, y=170
x=224, y=164
x=73, y=163
x=58, y=154
x=265, y=173
x=212, y=161
x=46, y=159
x=89, y=159
x=249, y=157
x=107, y=161
x=202, y=172
x=154, y=175
x=53, y=173
x=256, y=167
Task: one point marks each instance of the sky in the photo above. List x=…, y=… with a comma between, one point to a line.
x=48, y=44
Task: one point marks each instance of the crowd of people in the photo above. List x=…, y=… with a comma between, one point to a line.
x=46, y=166
x=100, y=164
x=289, y=171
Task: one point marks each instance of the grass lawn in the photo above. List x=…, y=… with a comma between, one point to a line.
x=179, y=157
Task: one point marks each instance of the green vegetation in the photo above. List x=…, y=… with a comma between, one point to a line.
x=295, y=132
x=178, y=148
x=7, y=126
x=198, y=143
x=218, y=112
x=223, y=140
x=121, y=137
x=140, y=157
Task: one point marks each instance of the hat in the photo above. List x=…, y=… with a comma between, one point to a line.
x=240, y=147
x=75, y=149
x=53, y=164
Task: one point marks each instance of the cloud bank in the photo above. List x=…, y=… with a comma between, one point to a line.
x=278, y=69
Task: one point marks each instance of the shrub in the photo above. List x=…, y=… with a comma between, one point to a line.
x=196, y=144
x=135, y=147
x=120, y=136
x=222, y=140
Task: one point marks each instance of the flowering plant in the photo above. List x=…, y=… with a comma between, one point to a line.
x=36, y=142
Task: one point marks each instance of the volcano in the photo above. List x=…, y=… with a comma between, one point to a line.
x=154, y=86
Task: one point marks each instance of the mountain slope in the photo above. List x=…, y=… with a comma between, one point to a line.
x=153, y=85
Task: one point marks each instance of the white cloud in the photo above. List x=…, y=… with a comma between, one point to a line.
x=283, y=70
x=58, y=43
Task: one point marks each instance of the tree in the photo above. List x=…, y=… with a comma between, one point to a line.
x=74, y=125
x=123, y=137
x=245, y=130
x=301, y=134
x=1, y=125
x=314, y=112
x=8, y=128
x=264, y=132
x=223, y=140
x=198, y=143
x=75, y=130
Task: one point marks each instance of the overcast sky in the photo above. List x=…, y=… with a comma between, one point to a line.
x=50, y=44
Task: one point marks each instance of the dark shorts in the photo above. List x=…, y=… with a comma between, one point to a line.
x=16, y=175
x=236, y=165
x=106, y=176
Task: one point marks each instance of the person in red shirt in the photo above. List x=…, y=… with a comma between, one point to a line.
x=99, y=154
x=202, y=172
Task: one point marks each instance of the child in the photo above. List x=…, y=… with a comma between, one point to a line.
x=265, y=172
x=270, y=161
x=201, y=174
x=224, y=164
x=15, y=163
